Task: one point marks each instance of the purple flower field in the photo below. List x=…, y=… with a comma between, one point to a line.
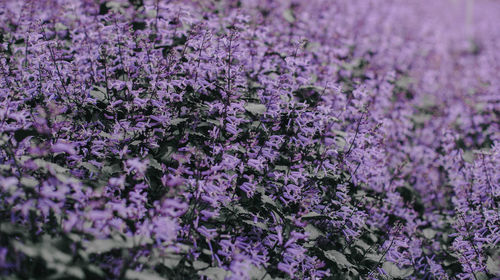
x=251, y=139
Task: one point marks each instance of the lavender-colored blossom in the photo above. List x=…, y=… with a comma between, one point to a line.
x=249, y=139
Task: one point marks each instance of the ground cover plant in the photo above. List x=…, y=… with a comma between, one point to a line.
x=259, y=139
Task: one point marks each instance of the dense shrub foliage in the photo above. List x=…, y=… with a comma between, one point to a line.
x=259, y=139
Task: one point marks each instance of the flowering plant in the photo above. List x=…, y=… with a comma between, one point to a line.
x=248, y=140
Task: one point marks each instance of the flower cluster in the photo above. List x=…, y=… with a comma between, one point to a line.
x=253, y=139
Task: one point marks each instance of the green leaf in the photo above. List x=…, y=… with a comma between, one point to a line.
x=29, y=182
x=338, y=258
x=468, y=156
x=481, y=276
x=105, y=135
x=95, y=270
x=341, y=143
x=313, y=87
x=281, y=167
x=171, y=261
x=255, y=108
x=29, y=250
x=49, y=165
x=200, y=265
x=256, y=224
x=8, y=228
x=51, y=254
x=177, y=121
x=98, y=93
x=340, y=133
x=142, y=275
x=59, y=26
x=493, y=265
x=313, y=231
x=394, y=271
x=111, y=169
x=214, y=122
x=285, y=98
x=103, y=245
x=90, y=167
x=153, y=162
x=258, y=273
x=76, y=272
x=429, y=233
x=214, y=273
x=289, y=16
x=268, y=200
x=361, y=244
x=136, y=142
x=314, y=215
x=373, y=257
